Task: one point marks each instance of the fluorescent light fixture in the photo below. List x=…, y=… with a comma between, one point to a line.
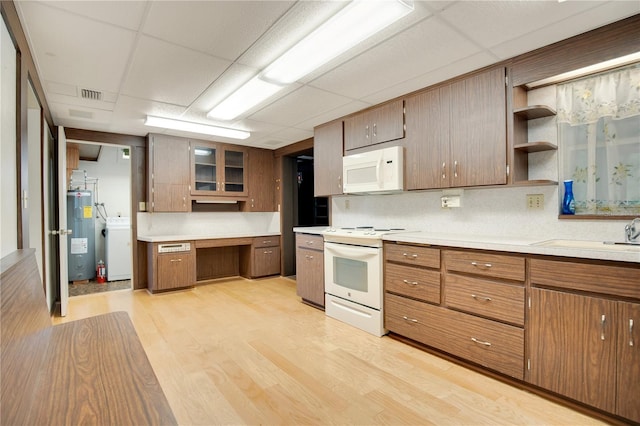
x=188, y=126
x=251, y=94
x=353, y=24
x=200, y=152
x=591, y=69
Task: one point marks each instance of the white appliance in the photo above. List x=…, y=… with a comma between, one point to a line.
x=353, y=276
x=118, y=248
x=379, y=171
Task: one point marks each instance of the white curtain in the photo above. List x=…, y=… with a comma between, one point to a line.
x=599, y=137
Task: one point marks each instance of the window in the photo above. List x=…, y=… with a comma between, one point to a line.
x=599, y=140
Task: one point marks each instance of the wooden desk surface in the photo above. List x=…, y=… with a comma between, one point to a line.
x=96, y=372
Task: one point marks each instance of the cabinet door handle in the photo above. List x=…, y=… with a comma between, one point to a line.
x=455, y=169
x=482, y=298
x=413, y=256
x=480, y=342
x=175, y=260
x=444, y=174
x=414, y=283
x=308, y=256
x=267, y=252
x=366, y=131
x=630, y=332
x=481, y=265
x=409, y=319
x=339, y=181
x=375, y=130
x=603, y=320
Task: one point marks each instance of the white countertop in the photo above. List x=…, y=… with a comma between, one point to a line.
x=316, y=230
x=518, y=245
x=212, y=236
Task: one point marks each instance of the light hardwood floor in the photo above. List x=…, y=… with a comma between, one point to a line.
x=239, y=351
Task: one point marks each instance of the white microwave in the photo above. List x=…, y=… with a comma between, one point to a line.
x=379, y=171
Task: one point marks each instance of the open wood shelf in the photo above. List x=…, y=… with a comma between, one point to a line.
x=536, y=182
x=532, y=112
x=536, y=147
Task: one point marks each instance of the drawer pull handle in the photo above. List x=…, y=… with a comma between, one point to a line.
x=603, y=321
x=482, y=265
x=267, y=252
x=308, y=256
x=480, y=342
x=414, y=256
x=630, y=332
x=309, y=243
x=410, y=282
x=266, y=242
x=175, y=260
x=410, y=319
x=483, y=298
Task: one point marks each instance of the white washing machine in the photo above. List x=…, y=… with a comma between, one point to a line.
x=118, y=248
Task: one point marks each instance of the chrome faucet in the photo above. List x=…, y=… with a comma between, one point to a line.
x=632, y=231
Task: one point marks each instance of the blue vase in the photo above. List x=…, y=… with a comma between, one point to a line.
x=568, y=202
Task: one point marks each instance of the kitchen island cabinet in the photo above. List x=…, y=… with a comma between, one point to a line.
x=310, y=269
x=327, y=159
x=168, y=174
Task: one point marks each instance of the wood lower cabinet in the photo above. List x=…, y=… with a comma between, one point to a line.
x=310, y=268
x=327, y=159
x=171, y=270
x=262, y=258
x=582, y=346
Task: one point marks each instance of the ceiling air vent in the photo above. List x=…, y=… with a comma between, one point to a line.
x=91, y=94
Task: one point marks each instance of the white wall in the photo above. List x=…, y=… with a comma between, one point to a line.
x=8, y=179
x=113, y=189
x=35, y=183
x=485, y=211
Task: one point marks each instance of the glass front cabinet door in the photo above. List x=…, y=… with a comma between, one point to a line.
x=218, y=169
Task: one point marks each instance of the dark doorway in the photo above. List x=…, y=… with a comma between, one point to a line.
x=312, y=211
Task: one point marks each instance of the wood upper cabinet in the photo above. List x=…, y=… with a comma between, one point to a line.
x=427, y=143
x=168, y=161
x=479, y=130
x=261, y=186
x=327, y=159
x=218, y=169
x=456, y=134
x=382, y=124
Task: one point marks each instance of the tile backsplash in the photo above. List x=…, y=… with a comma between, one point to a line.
x=219, y=224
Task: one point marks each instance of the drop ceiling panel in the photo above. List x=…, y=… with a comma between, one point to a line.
x=327, y=116
x=130, y=113
x=296, y=107
x=490, y=23
x=169, y=73
x=412, y=53
x=127, y=14
x=75, y=50
x=213, y=26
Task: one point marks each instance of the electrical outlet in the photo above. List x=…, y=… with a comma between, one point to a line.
x=535, y=201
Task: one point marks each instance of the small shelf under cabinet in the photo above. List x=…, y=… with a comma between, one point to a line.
x=536, y=147
x=532, y=112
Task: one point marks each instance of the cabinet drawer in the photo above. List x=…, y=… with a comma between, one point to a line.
x=504, y=302
x=309, y=241
x=412, y=255
x=485, y=264
x=494, y=345
x=586, y=276
x=270, y=241
x=418, y=283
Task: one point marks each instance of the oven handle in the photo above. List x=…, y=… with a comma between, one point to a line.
x=352, y=252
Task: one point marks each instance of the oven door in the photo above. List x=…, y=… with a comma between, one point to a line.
x=354, y=273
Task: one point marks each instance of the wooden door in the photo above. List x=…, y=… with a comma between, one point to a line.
x=427, y=140
x=175, y=270
x=310, y=275
x=572, y=341
x=261, y=181
x=357, y=131
x=234, y=170
x=170, y=171
x=628, y=405
x=205, y=168
x=327, y=159
x=479, y=130
x=387, y=122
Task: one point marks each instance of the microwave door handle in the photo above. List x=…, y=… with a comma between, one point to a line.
x=379, y=171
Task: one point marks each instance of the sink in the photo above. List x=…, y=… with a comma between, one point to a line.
x=590, y=245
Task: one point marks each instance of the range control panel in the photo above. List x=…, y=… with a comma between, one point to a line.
x=174, y=247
